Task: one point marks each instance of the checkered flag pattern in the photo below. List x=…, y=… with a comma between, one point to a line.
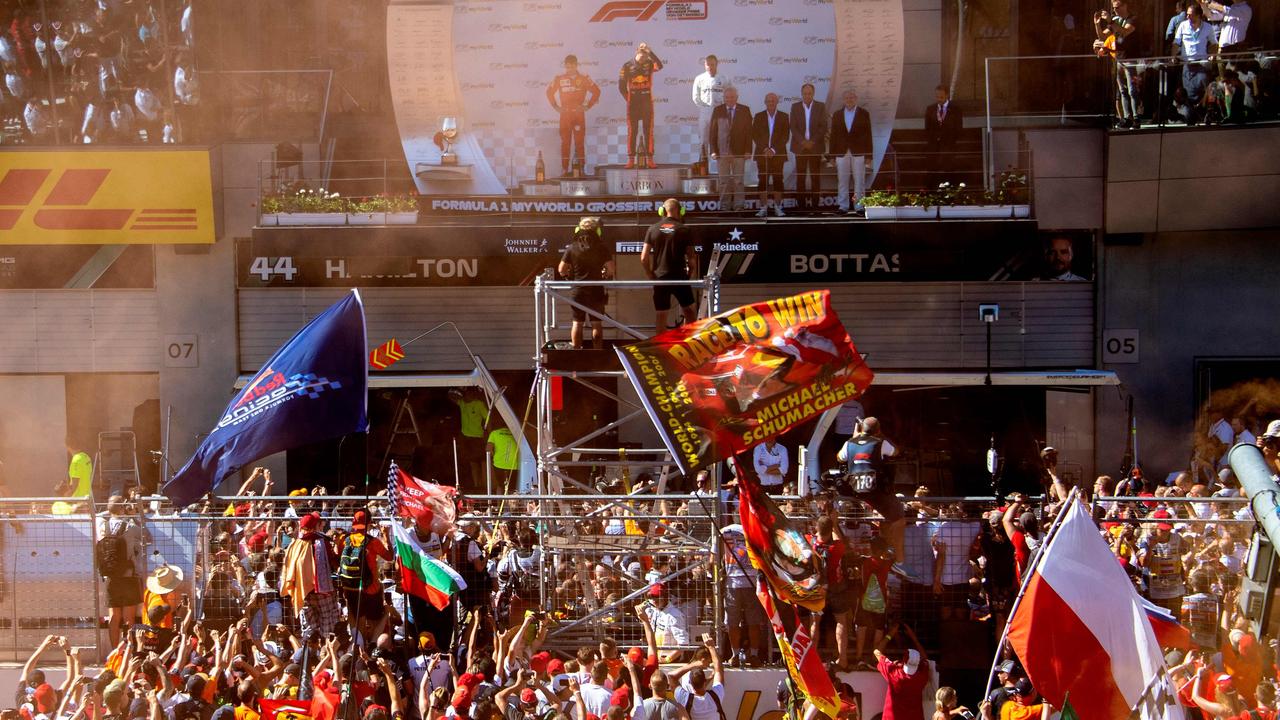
x=393, y=488
x=512, y=155
x=312, y=386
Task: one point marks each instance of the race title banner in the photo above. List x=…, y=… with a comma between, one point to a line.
x=721, y=385
x=106, y=198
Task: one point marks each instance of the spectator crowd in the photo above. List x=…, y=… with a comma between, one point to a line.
x=112, y=72
x=605, y=606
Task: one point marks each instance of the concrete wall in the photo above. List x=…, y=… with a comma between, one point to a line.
x=1196, y=179
x=1188, y=295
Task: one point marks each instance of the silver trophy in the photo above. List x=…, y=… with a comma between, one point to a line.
x=449, y=131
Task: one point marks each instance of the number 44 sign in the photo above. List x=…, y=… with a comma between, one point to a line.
x=1120, y=346
x=268, y=267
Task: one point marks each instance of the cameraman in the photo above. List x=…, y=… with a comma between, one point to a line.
x=865, y=453
x=635, y=82
x=1269, y=443
x=588, y=257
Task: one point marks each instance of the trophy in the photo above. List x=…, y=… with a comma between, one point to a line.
x=449, y=131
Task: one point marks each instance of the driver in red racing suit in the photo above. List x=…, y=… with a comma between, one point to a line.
x=635, y=82
x=578, y=94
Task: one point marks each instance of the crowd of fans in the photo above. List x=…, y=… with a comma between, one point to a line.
x=110, y=72
x=1204, y=69
x=300, y=600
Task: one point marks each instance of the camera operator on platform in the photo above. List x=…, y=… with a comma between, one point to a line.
x=864, y=455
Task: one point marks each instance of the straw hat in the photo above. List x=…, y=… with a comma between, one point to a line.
x=165, y=579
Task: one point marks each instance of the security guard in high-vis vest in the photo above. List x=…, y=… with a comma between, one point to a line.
x=867, y=473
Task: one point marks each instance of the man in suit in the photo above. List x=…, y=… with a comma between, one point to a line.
x=730, y=145
x=808, y=142
x=850, y=146
x=942, y=124
x=770, y=132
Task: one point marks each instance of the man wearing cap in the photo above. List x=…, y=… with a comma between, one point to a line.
x=1269, y=443
x=308, y=579
x=907, y=681
x=159, y=590
x=1007, y=674
x=669, y=624
x=1160, y=555
x=365, y=611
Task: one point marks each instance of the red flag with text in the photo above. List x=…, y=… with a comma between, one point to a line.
x=720, y=385
x=285, y=709
x=780, y=550
x=801, y=657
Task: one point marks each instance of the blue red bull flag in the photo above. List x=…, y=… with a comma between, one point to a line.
x=718, y=386
x=314, y=388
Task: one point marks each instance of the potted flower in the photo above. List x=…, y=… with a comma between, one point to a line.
x=383, y=210
x=958, y=201
x=402, y=210
x=304, y=206
x=890, y=205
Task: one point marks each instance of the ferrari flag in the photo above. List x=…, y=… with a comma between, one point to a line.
x=801, y=657
x=718, y=386
x=780, y=550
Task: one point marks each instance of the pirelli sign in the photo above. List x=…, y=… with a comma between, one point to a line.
x=105, y=197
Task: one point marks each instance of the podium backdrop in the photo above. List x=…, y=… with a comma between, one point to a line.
x=489, y=64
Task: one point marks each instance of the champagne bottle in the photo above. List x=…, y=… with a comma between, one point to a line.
x=540, y=170
x=704, y=165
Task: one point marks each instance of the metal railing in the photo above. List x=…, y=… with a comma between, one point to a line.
x=596, y=557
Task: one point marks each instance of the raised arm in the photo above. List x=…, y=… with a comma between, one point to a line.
x=35, y=655
x=717, y=668
x=651, y=640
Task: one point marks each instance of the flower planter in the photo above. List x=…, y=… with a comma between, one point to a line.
x=402, y=218
x=984, y=211
x=324, y=218
x=369, y=218
x=269, y=220
x=905, y=212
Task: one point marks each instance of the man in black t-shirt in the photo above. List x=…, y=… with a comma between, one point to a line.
x=588, y=258
x=668, y=254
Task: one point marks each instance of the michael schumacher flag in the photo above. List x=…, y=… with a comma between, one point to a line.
x=312, y=389
x=718, y=386
x=801, y=656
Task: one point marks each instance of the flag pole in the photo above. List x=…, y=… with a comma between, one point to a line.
x=1026, y=579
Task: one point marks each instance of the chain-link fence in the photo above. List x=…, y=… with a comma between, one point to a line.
x=588, y=561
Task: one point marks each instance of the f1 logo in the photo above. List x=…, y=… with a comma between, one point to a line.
x=640, y=10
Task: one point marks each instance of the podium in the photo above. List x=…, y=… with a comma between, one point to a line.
x=662, y=180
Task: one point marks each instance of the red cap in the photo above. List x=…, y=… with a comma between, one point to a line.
x=1225, y=682
x=310, y=521
x=636, y=654
x=655, y=590
x=621, y=697
x=360, y=521
x=528, y=696
x=258, y=541
x=555, y=666
x=1162, y=515
x=46, y=699
x=538, y=663
x=461, y=698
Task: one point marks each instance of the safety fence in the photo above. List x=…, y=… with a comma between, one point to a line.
x=586, y=561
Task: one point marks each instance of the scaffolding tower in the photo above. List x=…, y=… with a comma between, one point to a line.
x=585, y=368
x=557, y=457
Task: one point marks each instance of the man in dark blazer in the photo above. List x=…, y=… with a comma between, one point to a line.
x=850, y=146
x=730, y=145
x=942, y=125
x=770, y=132
x=808, y=143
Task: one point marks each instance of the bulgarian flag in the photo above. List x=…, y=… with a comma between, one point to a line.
x=420, y=573
x=1080, y=628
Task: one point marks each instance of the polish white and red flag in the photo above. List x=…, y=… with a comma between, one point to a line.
x=1081, y=628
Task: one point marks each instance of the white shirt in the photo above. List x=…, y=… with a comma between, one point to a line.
x=765, y=458
x=770, y=117
x=703, y=708
x=808, y=112
x=708, y=90
x=418, y=669
x=1195, y=43
x=669, y=625
x=596, y=698
x=848, y=117
x=1234, y=22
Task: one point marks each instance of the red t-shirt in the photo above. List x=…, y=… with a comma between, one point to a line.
x=905, y=695
x=834, y=553
x=1020, y=553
